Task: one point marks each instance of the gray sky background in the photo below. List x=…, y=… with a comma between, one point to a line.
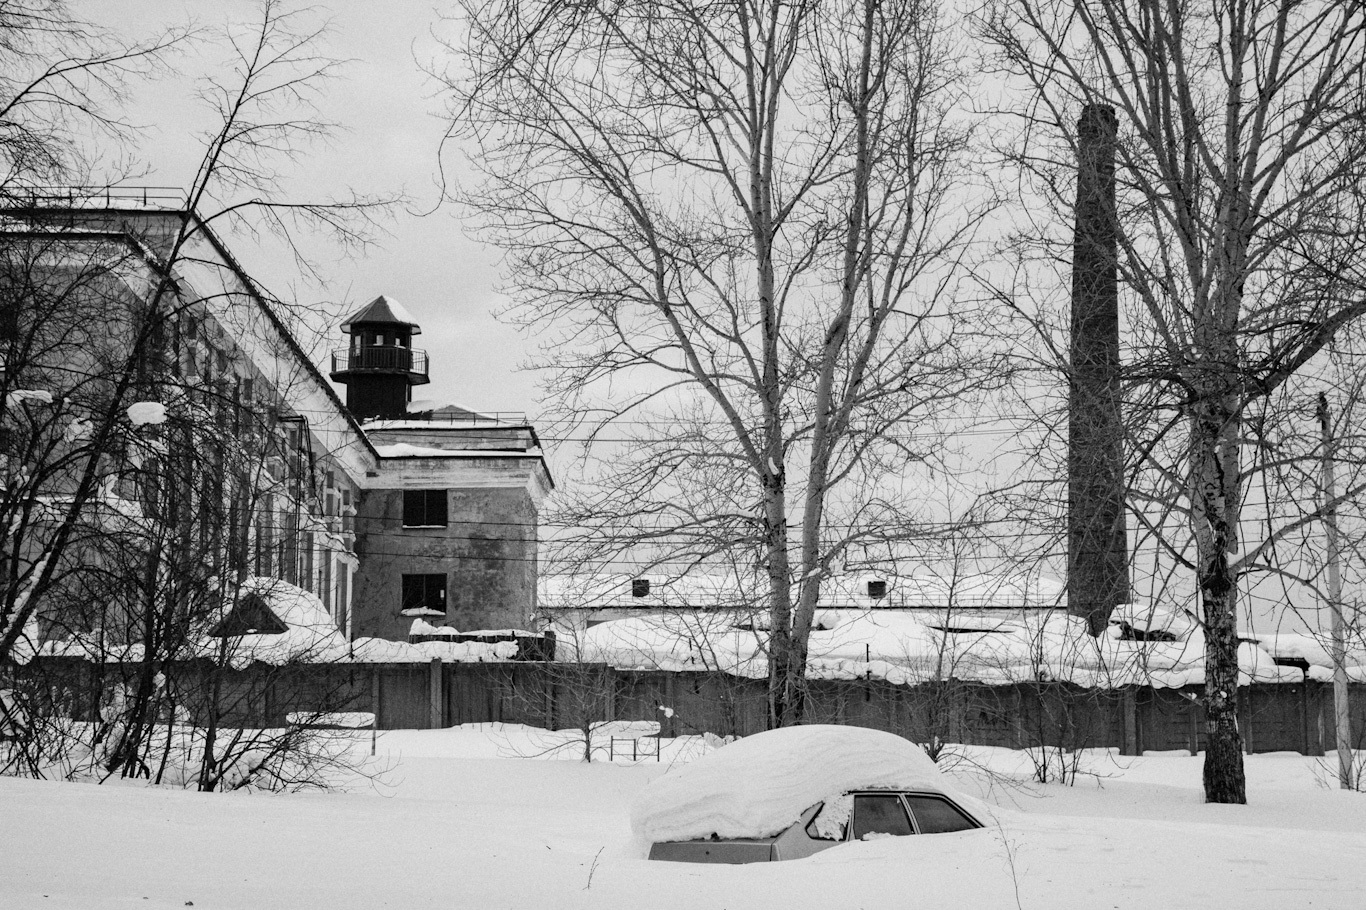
x=388, y=142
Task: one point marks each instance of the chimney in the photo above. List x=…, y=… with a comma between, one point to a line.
x=1097, y=538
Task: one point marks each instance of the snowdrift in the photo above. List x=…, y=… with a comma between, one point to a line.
x=759, y=785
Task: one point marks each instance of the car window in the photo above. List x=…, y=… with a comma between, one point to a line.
x=937, y=816
x=880, y=813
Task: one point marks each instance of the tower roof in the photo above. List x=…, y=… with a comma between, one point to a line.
x=382, y=310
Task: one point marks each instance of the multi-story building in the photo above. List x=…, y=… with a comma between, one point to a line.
x=208, y=418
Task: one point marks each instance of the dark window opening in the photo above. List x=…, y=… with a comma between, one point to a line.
x=424, y=593
x=640, y=587
x=1133, y=633
x=424, y=508
x=877, y=589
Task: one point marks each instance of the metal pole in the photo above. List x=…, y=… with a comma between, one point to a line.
x=1341, y=717
x=374, y=708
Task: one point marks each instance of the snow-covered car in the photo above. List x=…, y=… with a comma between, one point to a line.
x=789, y=793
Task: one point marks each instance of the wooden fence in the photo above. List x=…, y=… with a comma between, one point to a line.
x=1273, y=717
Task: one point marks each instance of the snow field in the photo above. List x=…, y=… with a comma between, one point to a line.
x=455, y=818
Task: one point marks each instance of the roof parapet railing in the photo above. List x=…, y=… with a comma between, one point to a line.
x=512, y=418
x=163, y=197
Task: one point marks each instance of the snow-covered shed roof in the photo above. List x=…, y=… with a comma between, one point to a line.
x=910, y=647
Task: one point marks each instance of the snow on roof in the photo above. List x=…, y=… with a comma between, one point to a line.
x=422, y=627
x=312, y=636
x=293, y=605
x=19, y=396
x=449, y=409
x=671, y=641
x=382, y=309
x=404, y=450
x=758, y=786
x=906, y=648
x=381, y=651
x=1154, y=618
x=141, y=413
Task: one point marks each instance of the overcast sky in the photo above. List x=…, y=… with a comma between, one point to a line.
x=389, y=139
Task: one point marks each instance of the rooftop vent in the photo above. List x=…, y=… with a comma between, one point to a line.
x=877, y=589
x=640, y=587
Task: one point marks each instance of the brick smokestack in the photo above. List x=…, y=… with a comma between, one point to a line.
x=1097, y=539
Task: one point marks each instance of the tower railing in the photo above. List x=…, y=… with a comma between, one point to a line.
x=387, y=358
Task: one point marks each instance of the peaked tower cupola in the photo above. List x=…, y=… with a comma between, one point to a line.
x=380, y=367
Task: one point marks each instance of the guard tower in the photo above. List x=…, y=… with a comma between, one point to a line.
x=380, y=367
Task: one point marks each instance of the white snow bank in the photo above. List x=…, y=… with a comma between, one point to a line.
x=406, y=450
x=1153, y=618
x=382, y=651
x=909, y=647
x=422, y=627
x=759, y=785
x=19, y=396
x=1313, y=649
x=142, y=413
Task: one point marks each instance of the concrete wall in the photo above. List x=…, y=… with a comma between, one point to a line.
x=487, y=551
x=1274, y=717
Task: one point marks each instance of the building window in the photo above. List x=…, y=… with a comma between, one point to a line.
x=424, y=595
x=325, y=585
x=424, y=508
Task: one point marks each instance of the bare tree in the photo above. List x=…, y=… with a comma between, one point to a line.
x=62, y=82
x=1239, y=166
x=737, y=226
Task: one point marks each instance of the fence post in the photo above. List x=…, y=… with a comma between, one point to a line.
x=1193, y=706
x=437, y=716
x=374, y=692
x=669, y=702
x=1304, y=717
x=610, y=680
x=1312, y=720
x=1128, y=707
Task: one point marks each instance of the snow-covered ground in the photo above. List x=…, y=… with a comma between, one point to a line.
x=462, y=818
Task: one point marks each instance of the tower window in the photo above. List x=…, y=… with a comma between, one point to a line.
x=424, y=508
x=424, y=594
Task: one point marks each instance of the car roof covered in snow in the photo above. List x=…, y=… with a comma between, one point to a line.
x=758, y=786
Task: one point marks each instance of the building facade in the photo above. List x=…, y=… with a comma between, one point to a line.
x=205, y=423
